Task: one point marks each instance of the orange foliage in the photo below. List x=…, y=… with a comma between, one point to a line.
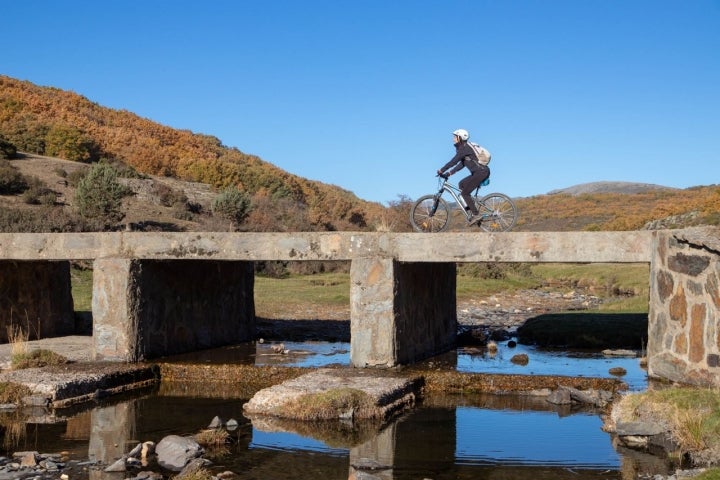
x=29, y=112
x=32, y=115
x=617, y=211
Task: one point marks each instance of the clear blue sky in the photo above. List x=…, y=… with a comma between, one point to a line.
x=364, y=94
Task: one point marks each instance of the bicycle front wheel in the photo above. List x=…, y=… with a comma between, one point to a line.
x=499, y=212
x=430, y=214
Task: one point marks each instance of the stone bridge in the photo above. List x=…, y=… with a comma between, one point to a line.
x=157, y=294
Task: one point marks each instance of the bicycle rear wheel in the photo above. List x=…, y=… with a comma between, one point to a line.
x=430, y=214
x=499, y=212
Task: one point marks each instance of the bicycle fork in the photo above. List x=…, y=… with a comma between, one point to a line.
x=436, y=202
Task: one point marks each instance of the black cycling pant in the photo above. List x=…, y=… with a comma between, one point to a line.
x=470, y=183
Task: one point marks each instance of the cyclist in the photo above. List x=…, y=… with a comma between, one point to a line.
x=465, y=157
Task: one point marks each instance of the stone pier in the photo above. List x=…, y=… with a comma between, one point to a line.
x=400, y=312
x=145, y=309
x=684, y=322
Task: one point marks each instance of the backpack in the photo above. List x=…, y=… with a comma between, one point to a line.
x=481, y=153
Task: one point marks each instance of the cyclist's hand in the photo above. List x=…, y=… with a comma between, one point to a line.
x=443, y=175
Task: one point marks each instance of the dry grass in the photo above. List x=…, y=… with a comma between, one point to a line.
x=13, y=392
x=36, y=359
x=199, y=474
x=331, y=404
x=22, y=357
x=212, y=437
x=692, y=415
x=18, y=338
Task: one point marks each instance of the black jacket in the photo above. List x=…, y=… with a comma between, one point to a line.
x=464, y=157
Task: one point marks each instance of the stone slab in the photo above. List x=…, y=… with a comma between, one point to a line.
x=389, y=394
x=73, y=383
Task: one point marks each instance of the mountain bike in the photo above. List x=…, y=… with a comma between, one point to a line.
x=432, y=213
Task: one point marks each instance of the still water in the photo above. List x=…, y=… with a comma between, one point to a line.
x=449, y=437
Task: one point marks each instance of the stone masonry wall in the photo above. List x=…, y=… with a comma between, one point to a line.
x=684, y=324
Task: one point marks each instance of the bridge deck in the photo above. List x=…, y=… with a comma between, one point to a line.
x=622, y=247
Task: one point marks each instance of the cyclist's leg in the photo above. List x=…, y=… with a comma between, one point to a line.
x=468, y=184
x=466, y=188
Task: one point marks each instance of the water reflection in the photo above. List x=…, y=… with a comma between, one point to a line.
x=452, y=437
x=470, y=360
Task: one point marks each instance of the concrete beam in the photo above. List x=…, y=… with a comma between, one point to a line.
x=535, y=247
x=625, y=247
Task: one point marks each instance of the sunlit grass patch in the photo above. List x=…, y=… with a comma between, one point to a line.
x=624, y=287
x=81, y=284
x=331, y=404
x=692, y=415
x=286, y=297
x=36, y=359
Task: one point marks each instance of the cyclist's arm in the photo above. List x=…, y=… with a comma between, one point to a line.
x=453, y=161
x=458, y=160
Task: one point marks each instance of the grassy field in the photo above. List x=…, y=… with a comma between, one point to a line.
x=81, y=282
x=297, y=296
x=624, y=288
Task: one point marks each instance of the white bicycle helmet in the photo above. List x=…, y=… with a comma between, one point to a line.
x=463, y=134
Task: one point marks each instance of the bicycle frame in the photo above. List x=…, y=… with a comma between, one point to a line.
x=454, y=191
x=432, y=213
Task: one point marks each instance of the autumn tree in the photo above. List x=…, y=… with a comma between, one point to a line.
x=70, y=143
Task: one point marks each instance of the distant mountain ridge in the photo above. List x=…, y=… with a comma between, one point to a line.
x=609, y=187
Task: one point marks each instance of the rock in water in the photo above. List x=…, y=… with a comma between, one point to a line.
x=174, y=452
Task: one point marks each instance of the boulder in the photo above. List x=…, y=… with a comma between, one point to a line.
x=175, y=452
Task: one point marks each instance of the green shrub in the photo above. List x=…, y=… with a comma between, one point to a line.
x=46, y=219
x=38, y=193
x=76, y=175
x=123, y=169
x=99, y=195
x=7, y=149
x=11, y=180
x=494, y=270
x=167, y=197
x=232, y=204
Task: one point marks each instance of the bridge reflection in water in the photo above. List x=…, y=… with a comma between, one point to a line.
x=444, y=438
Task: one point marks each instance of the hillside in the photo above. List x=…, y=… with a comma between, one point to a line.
x=56, y=123
x=178, y=173
x=654, y=208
